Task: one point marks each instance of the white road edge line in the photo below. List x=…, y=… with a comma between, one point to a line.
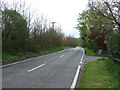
x=82, y=55
x=77, y=73
x=75, y=78
x=61, y=55
x=36, y=68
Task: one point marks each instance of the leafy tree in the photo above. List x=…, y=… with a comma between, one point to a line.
x=14, y=31
x=110, y=11
x=94, y=29
x=114, y=46
x=82, y=26
x=100, y=29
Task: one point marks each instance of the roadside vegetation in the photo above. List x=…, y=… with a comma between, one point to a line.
x=92, y=53
x=9, y=58
x=102, y=73
x=26, y=35
x=99, y=27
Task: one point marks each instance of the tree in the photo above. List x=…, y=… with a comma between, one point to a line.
x=100, y=29
x=109, y=10
x=83, y=26
x=20, y=34
x=14, y=30
x=94, y=29
x=70, y=41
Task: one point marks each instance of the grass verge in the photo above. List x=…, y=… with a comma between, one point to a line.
x=102, y=73
x=9, y=58
x=91, y=53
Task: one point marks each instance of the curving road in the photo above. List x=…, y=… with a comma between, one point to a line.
x=56, y=70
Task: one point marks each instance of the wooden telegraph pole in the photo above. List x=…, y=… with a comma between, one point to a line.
x=53, y=24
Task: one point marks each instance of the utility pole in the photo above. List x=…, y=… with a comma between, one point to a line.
x=53, y=24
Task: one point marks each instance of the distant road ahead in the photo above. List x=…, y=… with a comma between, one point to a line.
x=56, y=70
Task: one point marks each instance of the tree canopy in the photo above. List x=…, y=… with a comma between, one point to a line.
x=15, y=32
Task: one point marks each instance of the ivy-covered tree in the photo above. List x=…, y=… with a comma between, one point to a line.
x=14, y=31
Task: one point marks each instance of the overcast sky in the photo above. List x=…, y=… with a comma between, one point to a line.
x=64, y=12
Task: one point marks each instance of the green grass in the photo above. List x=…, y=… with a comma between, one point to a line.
x=100, y=74
x=91, y=53
x=9, y=58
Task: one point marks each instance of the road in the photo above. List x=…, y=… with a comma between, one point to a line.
x=56, y=70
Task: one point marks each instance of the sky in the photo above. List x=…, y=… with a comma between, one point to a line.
x=64, y=12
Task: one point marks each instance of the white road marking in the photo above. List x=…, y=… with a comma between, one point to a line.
x=62, y=55
x=83, y=55
x=36, y=68
x=77, y=72
x=76, y=77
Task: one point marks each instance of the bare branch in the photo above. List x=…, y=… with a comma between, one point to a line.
x=107, y=4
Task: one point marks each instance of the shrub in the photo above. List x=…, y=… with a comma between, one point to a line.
x=114, y=46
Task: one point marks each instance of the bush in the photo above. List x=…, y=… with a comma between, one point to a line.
x=114, y=70
x=114, y=46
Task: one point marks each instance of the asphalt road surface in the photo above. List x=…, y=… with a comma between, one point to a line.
x=56, y=70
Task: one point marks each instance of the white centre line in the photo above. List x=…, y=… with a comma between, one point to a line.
x=61, y=55
x=36, y=68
